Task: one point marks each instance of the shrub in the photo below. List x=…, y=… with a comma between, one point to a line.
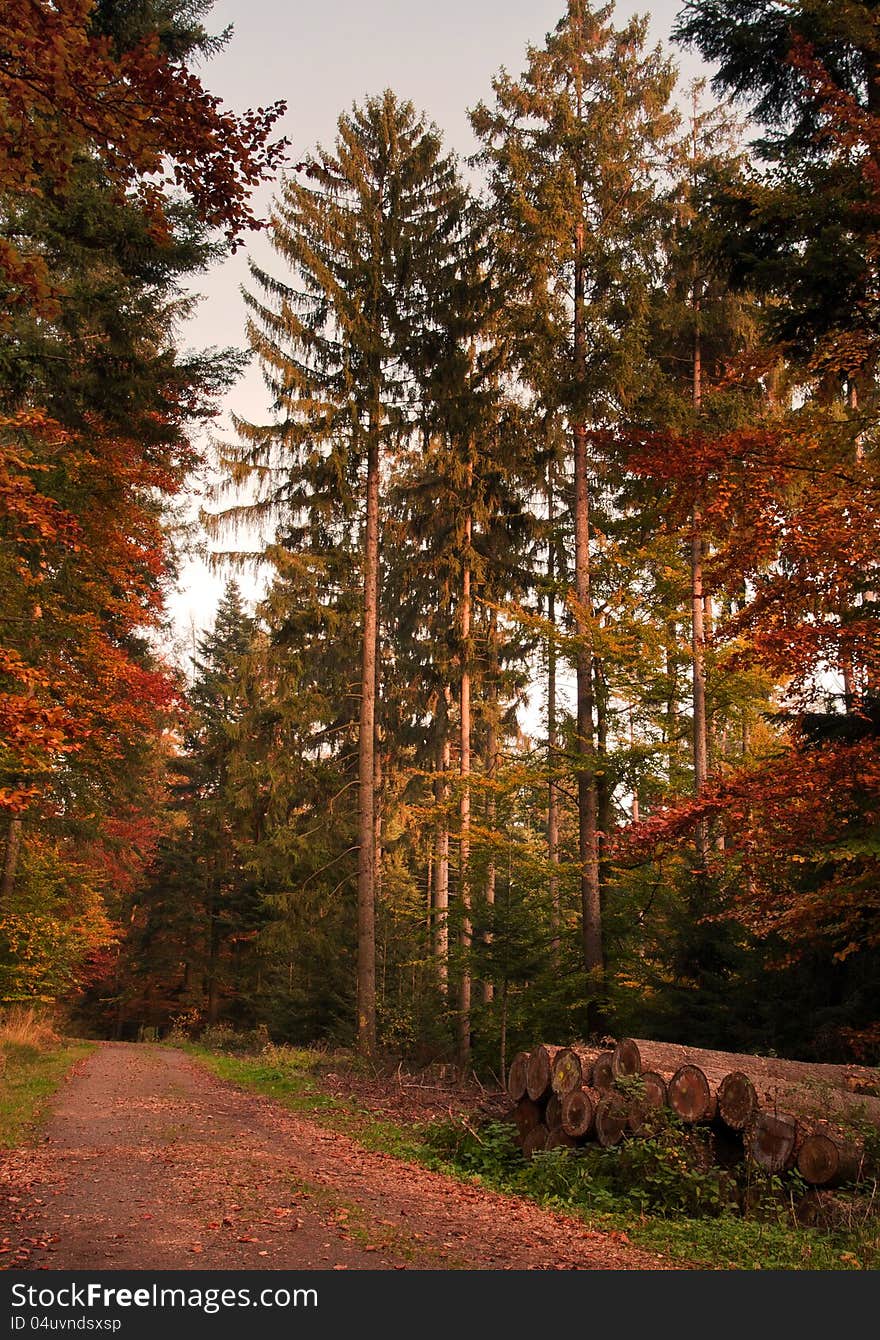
x=233, y=1042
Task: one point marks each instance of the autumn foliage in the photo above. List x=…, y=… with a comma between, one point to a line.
x=119, y=175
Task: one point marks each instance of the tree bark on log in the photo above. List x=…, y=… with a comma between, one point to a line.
x=553, y=1113
x=668, y=1056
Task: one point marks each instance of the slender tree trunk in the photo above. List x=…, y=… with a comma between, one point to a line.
x=441, y=883
x=212, y=992
x=585, y=744
x=698, y=634
x=670, y=721
x=603, y=790
x=491, y=769
x=552, y=729
x=634, y=808
x=464, y=891
x=378, y=775
x=366, y=962
x=10, y=860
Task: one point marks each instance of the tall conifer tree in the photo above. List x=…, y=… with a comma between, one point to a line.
x=574, y=149
x=371, y=235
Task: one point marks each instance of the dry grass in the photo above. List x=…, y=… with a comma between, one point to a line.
x=26, y=1026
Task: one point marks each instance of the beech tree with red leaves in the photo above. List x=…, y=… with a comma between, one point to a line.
x=793, y=497
x=121, y=176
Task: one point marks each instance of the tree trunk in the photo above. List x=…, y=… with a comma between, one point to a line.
x=536, y=1139
x=441, y=883
x=552, y=730
x=737, y=1100
x=604, y=793
x=698, y=659
x=377, y=814
x=10, y=862
x=626, y=1059
x=491, y=767
x=585, y=744
x=698, y=632
x=366, y=958
x=464, y=988
x=859, y=1083
x=603, y=1073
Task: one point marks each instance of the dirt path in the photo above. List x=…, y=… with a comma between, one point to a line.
x=149, y=1162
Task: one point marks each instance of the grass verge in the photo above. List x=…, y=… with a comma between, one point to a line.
x=28, y=1080
x=591, y=1189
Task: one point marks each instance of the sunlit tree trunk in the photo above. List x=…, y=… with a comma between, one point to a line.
x=366, y=917
x=464, y=888
x=552, y=728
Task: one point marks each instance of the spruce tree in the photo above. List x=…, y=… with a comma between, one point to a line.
x=574, y=150
x=371, y=235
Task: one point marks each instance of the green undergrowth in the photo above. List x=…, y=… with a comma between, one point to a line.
x=28, y=1079
x=658, y=1192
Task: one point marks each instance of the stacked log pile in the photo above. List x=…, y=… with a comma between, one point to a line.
x=778, y=1114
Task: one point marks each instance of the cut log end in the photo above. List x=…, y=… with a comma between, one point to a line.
x=690, y=1096
x=626, y=1059
x=644, y=1107
x=516, y=1076
x=612, y=1115
x=603, y=1075
x=737, y=1100
x=826, y=1161
x=568, y=1072
x=579, y=1112
x=771, y=1141
x=539, y=1071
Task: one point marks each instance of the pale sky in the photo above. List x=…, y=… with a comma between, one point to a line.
x=322, y=58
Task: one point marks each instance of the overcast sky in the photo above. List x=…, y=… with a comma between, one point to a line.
x=321, y=58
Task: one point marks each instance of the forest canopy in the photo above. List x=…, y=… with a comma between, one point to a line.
x=559, y=714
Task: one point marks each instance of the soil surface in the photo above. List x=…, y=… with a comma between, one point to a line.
x=151, y=1163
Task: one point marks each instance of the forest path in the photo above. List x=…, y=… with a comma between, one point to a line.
x=150, y=1162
